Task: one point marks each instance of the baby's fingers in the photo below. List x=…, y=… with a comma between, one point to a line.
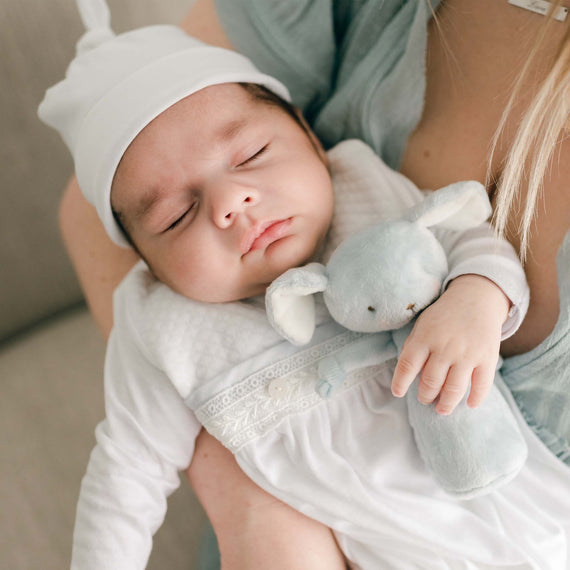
x=454, y=389
x=481, y=383
x=432, y=379
x=408, y=367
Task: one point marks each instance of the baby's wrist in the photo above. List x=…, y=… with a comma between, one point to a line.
x=487, y=290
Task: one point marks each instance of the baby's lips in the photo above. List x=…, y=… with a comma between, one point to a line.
x=261, y=236
x=252, y=234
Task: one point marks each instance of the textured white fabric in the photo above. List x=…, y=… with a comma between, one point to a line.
x=117, y=84
x=349, y=461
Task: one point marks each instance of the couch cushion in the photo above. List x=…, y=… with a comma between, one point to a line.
x=52, y=398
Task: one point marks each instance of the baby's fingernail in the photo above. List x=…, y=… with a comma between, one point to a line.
x=443, y=411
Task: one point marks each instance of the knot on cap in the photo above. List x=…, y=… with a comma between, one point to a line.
x=96, y=18
x=94, y=14
x=94, y=38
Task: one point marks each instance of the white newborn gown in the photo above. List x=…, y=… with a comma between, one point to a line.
x=349, y=461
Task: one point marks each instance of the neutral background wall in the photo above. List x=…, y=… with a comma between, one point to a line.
x=37, y=40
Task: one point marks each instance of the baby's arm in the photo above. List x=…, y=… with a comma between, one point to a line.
x=455, y=342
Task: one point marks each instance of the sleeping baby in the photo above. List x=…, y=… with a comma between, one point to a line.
x=199, y=162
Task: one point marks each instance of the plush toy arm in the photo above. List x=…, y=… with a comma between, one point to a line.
x=458, y=206
x=368, y=350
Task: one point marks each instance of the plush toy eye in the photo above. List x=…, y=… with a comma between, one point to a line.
x=371, y=309
x=411, y=307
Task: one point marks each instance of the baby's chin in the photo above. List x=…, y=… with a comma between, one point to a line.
x=216, y=294
x=225, y=292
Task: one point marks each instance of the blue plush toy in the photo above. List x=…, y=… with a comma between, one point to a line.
x=378, y=280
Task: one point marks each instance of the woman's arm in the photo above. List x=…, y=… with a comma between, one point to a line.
x=98, y=262
x=254, y=529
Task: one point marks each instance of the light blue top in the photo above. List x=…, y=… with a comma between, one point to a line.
x=357, y=70
x=540, y=379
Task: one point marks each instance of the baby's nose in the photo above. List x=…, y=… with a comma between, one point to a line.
x=230, y=201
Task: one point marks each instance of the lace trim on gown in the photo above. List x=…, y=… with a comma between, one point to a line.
x=251, y=408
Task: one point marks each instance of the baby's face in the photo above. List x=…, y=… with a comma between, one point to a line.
x=222, y=193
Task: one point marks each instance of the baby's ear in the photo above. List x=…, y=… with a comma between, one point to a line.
x=290, y=304
x=456, y=207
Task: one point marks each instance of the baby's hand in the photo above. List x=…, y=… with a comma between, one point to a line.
x=454, y=343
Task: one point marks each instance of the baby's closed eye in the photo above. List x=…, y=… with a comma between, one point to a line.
x=180, y=218
x=255, y=156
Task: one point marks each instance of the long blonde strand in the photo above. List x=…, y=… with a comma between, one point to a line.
x=535, y=140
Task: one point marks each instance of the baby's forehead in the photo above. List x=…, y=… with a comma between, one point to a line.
x=226, y=96
x=207, y=119
x=215, y=112
x=238, y=97
x=214, y=115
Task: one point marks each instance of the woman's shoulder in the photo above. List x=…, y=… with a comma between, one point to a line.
x=474, y=56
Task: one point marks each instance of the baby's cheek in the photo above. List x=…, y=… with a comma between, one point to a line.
x=210, y=281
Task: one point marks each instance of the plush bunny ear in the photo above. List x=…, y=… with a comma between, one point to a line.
x=290, y=304
x=456, y=207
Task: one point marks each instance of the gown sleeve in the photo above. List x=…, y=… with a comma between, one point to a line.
x=478, y=251
x=148, y=435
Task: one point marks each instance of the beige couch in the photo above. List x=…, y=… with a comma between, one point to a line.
x=51, y=354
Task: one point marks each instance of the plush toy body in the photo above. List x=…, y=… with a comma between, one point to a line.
x=378, y=280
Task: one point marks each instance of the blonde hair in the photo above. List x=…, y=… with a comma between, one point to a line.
x=545, y=120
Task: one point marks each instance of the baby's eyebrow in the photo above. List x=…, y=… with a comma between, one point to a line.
x=146, y=204
x=231, y=129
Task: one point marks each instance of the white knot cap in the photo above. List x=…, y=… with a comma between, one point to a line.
x=113, y=90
